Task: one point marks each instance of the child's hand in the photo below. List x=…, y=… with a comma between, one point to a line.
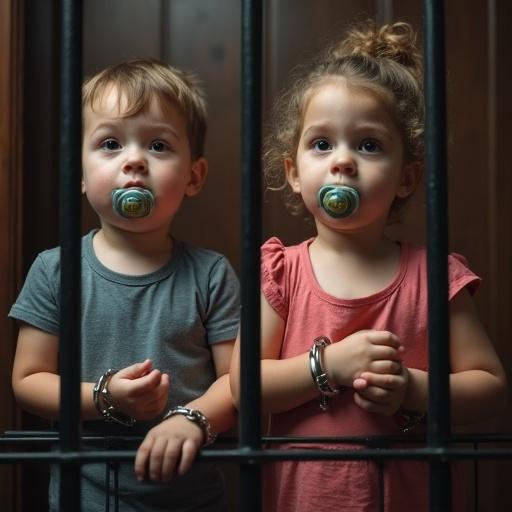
x=381, y=393
x=371, y=351
x=139, y=390
x=168, y=448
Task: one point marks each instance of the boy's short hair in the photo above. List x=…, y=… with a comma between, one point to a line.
x=139, y=81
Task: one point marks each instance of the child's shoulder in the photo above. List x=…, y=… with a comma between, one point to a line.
x=200, y=260
x=198, y=253
x=418, y=253
x=460, y=274
x=278, y=259
x=274, y=246
x=51, y=257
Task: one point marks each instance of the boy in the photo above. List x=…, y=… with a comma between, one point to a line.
x=160, y=310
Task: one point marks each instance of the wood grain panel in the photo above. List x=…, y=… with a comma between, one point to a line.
x=10, y=249
x=204, y=38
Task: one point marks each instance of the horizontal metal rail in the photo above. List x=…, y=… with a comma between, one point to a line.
x=379, y=449
x=246, y=455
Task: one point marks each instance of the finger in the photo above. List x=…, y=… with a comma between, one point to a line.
x=370, y=406
x=386, y=366
x=136, y=370
x=156, y=459
x=171, y=459
x=386, y=381
x=146, y=384
x=359, y=383
x=163, y=386
x=375, y=394
x=141, y=459
x=383, y=352
x=384, y=338
x=188, y=453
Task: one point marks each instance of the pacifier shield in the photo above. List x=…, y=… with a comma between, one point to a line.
x=133, y=202
x=338, y=201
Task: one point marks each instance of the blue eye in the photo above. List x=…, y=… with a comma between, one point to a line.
x=321, y=145
x=158, y=146
x=111, y=145
x=369, y=146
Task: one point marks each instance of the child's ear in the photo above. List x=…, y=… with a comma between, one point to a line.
x=198, y=175
x=83, y=185
x=292, y=175
x=411, y=176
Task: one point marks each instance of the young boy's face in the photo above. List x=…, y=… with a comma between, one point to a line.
x=148, y=150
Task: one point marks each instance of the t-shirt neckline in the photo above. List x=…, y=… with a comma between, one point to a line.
x=359, y=301
x=131, y=280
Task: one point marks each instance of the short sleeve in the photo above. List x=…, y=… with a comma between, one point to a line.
x=460, y=276
x=273, y=275
x=38, y=302
x=223, y=312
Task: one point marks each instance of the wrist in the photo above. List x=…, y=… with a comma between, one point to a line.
x=416, y=395
x=103, y=401
x=196, y=417
x=318, y=372
x=335, y=372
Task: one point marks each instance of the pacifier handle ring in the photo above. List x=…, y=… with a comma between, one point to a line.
x=132, y=202
x=338, y=201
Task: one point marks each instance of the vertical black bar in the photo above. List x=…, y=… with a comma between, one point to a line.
x=250, y=402
x=70, y=175
x=437, y=234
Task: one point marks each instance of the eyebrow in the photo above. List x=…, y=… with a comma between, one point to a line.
x=157, y=127
x=380, y=128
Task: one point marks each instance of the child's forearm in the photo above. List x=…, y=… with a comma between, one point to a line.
x=39, y=394
x=217, y=405
x=475, y=395
x=286, y=383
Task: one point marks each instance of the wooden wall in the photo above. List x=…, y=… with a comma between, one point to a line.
x=203, y=36
x=10, y=222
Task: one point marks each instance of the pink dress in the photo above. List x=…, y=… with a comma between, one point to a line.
x=290, y=287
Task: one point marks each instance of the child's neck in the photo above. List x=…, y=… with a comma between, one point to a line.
x=354, y=265
x=132, y=253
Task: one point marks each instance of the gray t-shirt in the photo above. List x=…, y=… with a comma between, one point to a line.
x=170, y=316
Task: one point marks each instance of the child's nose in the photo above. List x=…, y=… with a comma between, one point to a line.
x=135, y=162
x=343, y=163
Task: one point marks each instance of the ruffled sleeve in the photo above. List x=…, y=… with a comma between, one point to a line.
x=460, y=276
x=273, y=275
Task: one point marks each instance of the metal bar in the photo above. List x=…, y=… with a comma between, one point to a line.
x=250, y=401
x=248, y=456
x=437, y=251
x=70, y=175
x=48, y=437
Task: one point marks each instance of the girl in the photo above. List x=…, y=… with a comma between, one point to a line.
x=344, y=314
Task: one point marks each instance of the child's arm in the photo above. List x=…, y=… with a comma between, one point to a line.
x=171, y=446
x=137, y=391
x=287, y=383
x=478, y=385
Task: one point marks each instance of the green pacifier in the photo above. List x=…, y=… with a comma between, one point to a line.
x=338, y=201
x=133, y=202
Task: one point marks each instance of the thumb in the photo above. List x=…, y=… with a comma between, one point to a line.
x=136, y=370
x=359, y=383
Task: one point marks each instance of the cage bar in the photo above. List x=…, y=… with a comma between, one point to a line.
x=69, y=225
x=437, y=253
x=250, y=400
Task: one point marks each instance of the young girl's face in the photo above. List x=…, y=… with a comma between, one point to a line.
x=349, y=137
x=149, y=150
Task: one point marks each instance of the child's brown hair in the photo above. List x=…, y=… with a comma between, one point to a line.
x=139, y=81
